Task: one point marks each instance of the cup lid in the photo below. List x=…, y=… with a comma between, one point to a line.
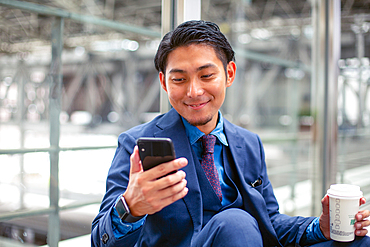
x=345, y=190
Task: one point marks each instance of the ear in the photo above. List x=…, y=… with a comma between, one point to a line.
x=231, y=73
x=162, y=79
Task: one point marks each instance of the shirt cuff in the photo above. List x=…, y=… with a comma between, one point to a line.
x=121, y=228
x=313, y=233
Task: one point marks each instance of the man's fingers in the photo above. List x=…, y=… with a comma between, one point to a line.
x=362, y=224
x=175, y=187
x=158, y=205
x=166, y=168
x=174, y=197
x=172, y=191
x=158, y=198
x=361, y=233
x=363, y=214
x=169, y=180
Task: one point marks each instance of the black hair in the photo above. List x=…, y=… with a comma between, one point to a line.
x=194, y=32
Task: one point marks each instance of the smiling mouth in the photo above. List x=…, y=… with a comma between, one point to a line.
x=197, y=106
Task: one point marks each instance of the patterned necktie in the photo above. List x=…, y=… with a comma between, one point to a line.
x=208, y=163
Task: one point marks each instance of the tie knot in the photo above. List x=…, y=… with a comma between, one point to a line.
x=208, y=143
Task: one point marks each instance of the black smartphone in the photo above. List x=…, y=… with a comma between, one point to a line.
x=154, y=151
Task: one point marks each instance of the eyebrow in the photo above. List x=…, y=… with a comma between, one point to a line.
x=208, y=65
x=176, y=71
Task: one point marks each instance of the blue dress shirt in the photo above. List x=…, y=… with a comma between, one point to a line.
x=120, y=228
x=194, y=135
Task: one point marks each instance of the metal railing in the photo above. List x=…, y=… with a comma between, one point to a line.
x=55, y=108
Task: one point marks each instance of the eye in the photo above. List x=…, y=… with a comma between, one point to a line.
x=206, y=76
x=178, y=79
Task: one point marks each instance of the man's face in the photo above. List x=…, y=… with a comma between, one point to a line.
x=196, y=83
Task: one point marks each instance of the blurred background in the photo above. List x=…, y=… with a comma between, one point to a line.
x=75, y=74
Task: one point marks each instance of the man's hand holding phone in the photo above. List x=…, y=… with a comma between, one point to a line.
x=151, y=190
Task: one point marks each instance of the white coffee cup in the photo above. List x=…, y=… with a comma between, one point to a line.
x=344, y=204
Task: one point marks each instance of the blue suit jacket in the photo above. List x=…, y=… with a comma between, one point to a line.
x=176, y=224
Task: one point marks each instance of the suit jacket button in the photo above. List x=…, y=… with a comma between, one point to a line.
x=104, y=238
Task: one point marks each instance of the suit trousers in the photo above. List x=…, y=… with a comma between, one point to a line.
x=230, y=228
x=235, y=227
x=358, y=242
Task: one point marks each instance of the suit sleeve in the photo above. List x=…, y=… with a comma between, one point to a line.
x=117, y=181
x=289, y=229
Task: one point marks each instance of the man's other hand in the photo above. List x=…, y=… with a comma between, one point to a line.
x=361, y=218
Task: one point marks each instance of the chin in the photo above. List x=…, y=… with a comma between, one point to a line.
x=199, y=122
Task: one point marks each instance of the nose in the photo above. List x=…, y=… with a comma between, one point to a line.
x=195, y=89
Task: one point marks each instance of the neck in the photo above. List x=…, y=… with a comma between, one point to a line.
x=208, y=127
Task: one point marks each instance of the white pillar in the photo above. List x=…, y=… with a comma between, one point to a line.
x=175, y=12
x=325, y=55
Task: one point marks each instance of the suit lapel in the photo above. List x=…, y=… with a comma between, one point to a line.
x=171, y=126
x=253, y=201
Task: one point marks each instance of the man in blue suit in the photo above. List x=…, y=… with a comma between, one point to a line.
x=146, y=208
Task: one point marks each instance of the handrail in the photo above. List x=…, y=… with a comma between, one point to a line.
x=28, y=213
x=44, y=150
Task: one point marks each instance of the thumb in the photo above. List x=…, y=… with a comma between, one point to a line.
x=324, y=217
x=325, y=205
x=135, y=163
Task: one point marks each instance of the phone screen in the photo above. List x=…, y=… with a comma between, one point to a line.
x=155, y=151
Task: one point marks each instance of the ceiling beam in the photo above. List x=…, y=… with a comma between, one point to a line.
x=46, y=10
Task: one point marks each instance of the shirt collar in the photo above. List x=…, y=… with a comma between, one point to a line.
x=193, y=133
